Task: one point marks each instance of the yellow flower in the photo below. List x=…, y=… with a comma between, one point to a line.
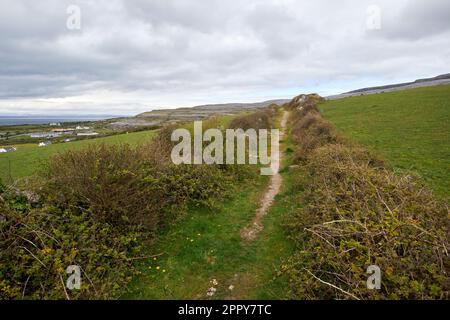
x=157, y=268
x=164, y=270
x=154, y=258
x=198, y=234
x=46, y=250
x=192, y=240
x=150, y=267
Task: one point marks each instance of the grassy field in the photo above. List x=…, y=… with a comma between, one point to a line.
x=410, y=129
x=28, y=157
x=26, y=160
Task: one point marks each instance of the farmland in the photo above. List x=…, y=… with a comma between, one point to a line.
x=28, y=157
x=410, y=129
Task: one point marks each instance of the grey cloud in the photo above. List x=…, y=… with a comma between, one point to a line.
x=417, y=20
x=184, y=52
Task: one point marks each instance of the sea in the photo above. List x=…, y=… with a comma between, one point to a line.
x=21, y=120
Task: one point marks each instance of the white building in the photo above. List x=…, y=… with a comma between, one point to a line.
x=7, y=149
x=44, y=144
x=45, y=134
x=87, y=134
x=82, y=128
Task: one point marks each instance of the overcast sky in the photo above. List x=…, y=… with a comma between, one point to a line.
x=133, y=55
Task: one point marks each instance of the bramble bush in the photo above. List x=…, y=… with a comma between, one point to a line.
x=357, y=213
x=98, y=208
x=38, y=244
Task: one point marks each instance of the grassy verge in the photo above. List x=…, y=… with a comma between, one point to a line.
x=410, y=129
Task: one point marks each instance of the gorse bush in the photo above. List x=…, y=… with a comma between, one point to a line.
x=357, y=214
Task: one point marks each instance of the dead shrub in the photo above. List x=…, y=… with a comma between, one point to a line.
x=319, y=133
x=158, y=150
x=262, y=119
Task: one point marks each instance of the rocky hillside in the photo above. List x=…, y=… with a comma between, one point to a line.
x=427, y=82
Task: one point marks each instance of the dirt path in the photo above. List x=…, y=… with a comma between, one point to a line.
x=250, y=232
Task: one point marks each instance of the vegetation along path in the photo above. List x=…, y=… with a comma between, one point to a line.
x=205, y=256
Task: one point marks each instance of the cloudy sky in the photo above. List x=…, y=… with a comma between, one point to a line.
x=129, y=56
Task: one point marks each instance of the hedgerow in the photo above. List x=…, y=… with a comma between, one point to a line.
x=358, y=213
x=98, y=208
x=262, y=119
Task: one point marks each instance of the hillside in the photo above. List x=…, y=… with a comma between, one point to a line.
x=204, y=111
x=160, y=116
x=409, y=128
x=427, y=82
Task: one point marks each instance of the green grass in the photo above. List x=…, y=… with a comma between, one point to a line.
x=206, y=244
x=410, y=129
x=28, y=157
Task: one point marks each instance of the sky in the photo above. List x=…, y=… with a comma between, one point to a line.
x=123, y=57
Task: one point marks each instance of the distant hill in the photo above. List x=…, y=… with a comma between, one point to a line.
x=204, y=111
x=160, y=116
x=439, y=80
x=241, y=106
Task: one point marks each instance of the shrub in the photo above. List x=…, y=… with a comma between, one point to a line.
x=107, y=180
x=157, y=151
x=96, y=208
x=312, y=131
x=122, y=185
x=262, y=119
x=356, y=213
x=38, y=244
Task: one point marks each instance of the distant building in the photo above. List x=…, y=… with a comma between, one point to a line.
x=7, y=149
x=54, y=124
x=87, y=134
x=63, y=130
x=44, y=144
x=45, y=134
x=82, y=128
